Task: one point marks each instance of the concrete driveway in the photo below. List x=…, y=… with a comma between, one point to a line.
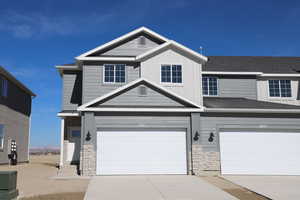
x=273, y=187
x=167, y=187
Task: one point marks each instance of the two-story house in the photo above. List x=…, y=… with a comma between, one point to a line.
x=15, y=112
x=144, y=104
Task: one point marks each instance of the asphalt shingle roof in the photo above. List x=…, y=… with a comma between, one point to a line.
x=243, y=103
x=265, y=64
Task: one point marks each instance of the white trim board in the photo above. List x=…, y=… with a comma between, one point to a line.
x=260, y=74
x=143, y=109
x=251, y=110
x=174, y=44
x=119, y=39
x=231, y=73
x=67, y=114
x=84, y=106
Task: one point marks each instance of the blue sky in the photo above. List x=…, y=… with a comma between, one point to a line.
x=36, y=35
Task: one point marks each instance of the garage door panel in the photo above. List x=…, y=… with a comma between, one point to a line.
x=141, y=152
x=260, y=153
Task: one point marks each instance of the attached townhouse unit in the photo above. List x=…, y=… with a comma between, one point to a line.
x=145, y=104
x=15, y=111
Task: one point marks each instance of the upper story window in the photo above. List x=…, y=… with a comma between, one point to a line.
x=210, y=85
x=1, y=136
x=280, y=88
x=114, y=73
x=3, y=87
x=171, y=74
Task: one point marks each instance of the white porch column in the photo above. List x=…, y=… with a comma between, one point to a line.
x=62, y=131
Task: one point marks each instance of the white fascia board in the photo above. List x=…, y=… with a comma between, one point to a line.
x=67, y=67
x=188, y=50
x=139, y=57
x=108, y=44
x=175, y=44
x=261, y=74
x=106, y=58
x=248, y=110
x=61, y=68
x=68, y=114
x=280, y=75
x=231, y=73
x=144, y=109
x=83, y=107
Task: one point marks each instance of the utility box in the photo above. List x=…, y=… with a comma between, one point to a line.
x=8, y=185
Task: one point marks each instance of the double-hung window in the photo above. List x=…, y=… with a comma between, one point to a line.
x=210, y=86
x=114, y=73
x=1, y=136
x=171, y=74
x=3, y=87
x=280, y=88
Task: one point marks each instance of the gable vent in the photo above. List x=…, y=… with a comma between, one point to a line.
x=142, y=40
x=143, y=91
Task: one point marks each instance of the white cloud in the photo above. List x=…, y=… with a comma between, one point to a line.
x=38, y=24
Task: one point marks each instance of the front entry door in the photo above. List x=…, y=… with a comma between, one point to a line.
x=74, y=144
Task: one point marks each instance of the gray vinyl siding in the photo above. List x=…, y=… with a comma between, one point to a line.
x=134, y=98
x=93, y=85
x=72, y=87
x=131, y=48
x=17, y=99
x=143, y=121
x=232, y=86
x=16, y=127
x=211, y=123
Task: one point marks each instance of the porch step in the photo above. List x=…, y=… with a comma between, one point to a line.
x=68, y=171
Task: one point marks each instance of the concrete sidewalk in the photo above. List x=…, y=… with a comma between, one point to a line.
x=168, y=187
x=273, y=187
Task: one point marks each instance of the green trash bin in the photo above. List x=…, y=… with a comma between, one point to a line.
x=8, y=185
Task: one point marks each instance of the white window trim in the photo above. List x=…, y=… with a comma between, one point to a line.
x=171, y=83
x=2, y=140
x=279, y=97
x=210, y=95
x=118, y=83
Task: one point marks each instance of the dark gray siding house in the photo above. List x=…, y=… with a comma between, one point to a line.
x=15, y=111
x=144, y=104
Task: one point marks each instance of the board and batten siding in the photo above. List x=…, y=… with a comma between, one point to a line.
x=237, y=87
x=263, y=91
x=191, y=87
x=16, y=127
x=134, y=98
x=210, y=123
x=93, y=85
x=132, y=47
x=72, y=87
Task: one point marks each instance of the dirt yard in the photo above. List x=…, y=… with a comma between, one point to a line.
x=36, y=180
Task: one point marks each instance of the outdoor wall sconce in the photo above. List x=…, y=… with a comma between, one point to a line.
x=88, y=136
x=211, y=137
x=196, y=136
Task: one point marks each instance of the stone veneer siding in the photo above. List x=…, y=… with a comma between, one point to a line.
x=88, y=160
x=204, y=160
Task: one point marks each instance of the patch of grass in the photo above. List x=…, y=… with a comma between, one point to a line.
x=59, y=196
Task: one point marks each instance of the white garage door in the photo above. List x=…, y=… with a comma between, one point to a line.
x=141, y=152
x=260, y=153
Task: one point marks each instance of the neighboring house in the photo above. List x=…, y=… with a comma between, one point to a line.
x=15, y=111
x=144, y=104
